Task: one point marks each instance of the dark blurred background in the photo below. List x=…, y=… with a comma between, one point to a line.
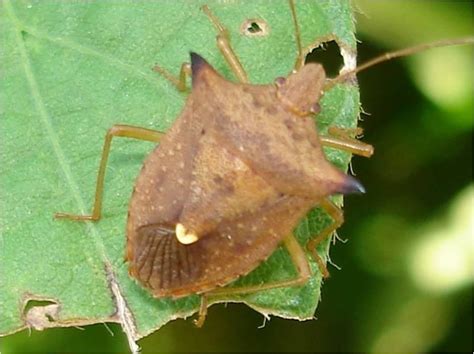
x=407, y=269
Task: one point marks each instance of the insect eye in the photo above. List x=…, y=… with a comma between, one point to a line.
x=280, y=81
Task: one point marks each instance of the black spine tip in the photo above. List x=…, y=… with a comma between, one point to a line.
x=352, y=185
x=197, y=63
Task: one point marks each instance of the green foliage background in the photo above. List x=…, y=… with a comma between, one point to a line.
x=414, y=182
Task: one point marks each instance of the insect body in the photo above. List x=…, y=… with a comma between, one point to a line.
x=229, y=182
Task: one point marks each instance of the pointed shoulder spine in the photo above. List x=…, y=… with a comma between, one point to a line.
x=197, y=64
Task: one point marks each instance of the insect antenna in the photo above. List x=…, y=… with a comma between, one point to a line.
x=396, y=54
x=300, y=59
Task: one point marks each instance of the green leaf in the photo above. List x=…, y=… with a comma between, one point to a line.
x=70, y=70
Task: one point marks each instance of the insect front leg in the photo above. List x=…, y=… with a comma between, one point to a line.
x=180, y=81
x=224, y=45
x=338, y=218
x=299, y=259
x=341, y=139
x=118, y=130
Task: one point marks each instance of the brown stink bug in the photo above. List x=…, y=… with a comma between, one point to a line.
x=231, y=179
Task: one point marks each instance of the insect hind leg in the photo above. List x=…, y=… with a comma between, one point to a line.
x=338, y=218
x=299, y=259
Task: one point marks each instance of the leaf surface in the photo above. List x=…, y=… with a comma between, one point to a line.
x=70, y=70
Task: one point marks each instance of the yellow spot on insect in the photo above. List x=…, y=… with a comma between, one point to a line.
x=184, y=236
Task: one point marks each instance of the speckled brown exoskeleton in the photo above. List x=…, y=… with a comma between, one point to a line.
x=228, y=183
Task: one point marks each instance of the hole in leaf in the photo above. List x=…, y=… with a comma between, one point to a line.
x=36, y=303
x=40, y=314
x=329, y=56
x=254, y=27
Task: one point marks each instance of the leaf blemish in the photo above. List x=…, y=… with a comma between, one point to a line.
x=24, y=34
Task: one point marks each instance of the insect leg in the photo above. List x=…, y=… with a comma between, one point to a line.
x=338, y=218
x=223, y=43
x=127, y=131
x=340, y=138
x=202, y=312
x=299, y=259
x=179, y=82
x=298, y=256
